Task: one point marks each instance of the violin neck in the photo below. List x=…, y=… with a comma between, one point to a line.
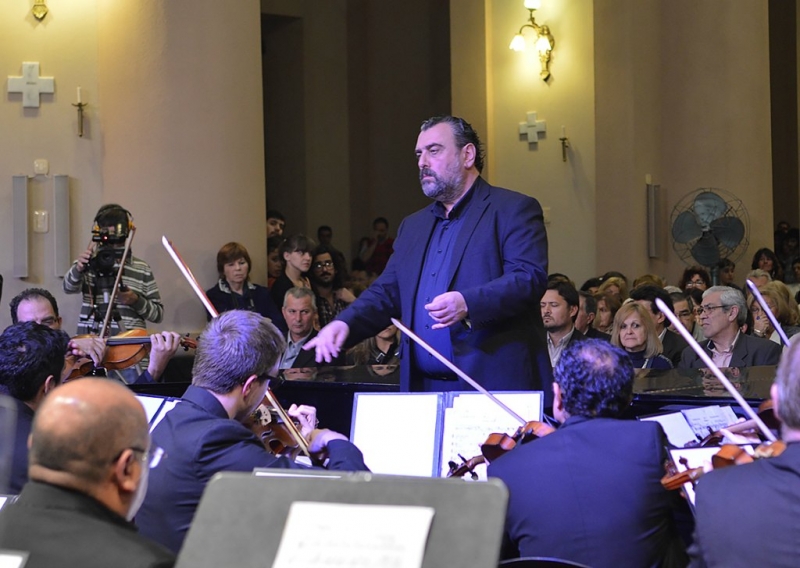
x=128, y=341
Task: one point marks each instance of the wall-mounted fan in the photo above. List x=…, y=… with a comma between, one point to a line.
x=710, y=224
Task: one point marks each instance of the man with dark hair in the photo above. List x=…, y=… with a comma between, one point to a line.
x=276, y=223
x=325, y=238
x=237, y=354
x=722, y=314
x=585, y=466
x=559, y=311
x=31, y=361
x=89, y=462
x=376, y=251
x=467, y=275
x=765, y=489
x=328, y=285
x=587, y=311
x=39, y=305
x=672, y=343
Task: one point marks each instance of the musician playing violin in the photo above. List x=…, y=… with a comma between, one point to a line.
x=590, y=492
x=237, y=354
x=39, y=305
x=764, y=495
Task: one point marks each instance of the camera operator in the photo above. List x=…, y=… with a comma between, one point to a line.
x=94, y=273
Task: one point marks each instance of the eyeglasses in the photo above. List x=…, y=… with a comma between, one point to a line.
x=684, y=314
x=700, y=309
x=324, y=263
x=695, y=283
x=151, y=457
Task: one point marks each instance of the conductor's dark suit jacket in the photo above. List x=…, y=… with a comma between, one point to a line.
x=499, y=264
x=591, y=492
x=748, y=515
x=748, y=351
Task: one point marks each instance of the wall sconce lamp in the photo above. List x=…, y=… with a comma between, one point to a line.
x=544, y=39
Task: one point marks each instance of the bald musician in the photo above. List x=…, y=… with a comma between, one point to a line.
x=748, y=515
x=591, y=491
x=89, y=461
x=237, y=354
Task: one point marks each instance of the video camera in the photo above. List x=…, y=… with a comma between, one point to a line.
x=111, y=228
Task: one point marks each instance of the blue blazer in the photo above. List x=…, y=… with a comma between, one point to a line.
x=499, y=264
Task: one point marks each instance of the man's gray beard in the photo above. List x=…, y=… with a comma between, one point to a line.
x=441, y=191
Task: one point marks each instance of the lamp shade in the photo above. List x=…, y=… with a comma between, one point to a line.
x=518, y=43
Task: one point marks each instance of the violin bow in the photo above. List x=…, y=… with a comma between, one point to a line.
x=187, y=273
x=773, y=320
x=714, y=369
x=110, y=308
x=419, y=341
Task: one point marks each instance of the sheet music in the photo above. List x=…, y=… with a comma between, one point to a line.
x=676, y=428
x=397, y=433
x=473, y=417
x=695, y=457
x=13, y=559
x=353, y=536
x=168, y=405
x=709, y=417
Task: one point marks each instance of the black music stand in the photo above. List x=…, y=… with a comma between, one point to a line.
x=242, y=516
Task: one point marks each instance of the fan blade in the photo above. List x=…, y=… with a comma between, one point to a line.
x=685, y=228
x=709, y=206
x=705, y=251
x=728, y=230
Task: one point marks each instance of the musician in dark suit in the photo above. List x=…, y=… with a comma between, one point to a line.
x=765, y=494
x=722, y=314
x=466, y=275
x=590, y=492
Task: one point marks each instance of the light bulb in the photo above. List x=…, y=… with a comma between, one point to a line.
x=518, y=43
x=533, y=4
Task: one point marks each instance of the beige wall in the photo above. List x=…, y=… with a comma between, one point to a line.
x=174, y=133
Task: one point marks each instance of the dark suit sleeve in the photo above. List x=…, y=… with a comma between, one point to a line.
x=688, y=358
x=769, y=355
x=344, y=456
x=522, y=244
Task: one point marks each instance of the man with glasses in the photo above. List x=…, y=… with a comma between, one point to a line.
x=326, y=281
x=89, y=463
x=237, y=354
x=721, y=315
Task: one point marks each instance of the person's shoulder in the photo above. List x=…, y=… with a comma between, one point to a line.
x=504, y=194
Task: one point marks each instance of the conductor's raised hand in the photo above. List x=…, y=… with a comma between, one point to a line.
x=447, y=309
x=329, y=341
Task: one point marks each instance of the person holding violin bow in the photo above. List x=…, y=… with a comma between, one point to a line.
x=237, y=355
x=591, y=492
x=39, y=305
x=764, y=494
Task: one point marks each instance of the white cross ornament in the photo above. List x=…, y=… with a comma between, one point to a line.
x=532, y=128
x=30, y=85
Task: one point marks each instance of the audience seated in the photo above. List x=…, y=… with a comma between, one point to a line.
x=596, y=496
x=325, y=238
x=274, y=260
x=683, y=307
x=649, y=280
x=766, y=260
x=607, y=307
x=726, y=273
x=237, y=354
x=759, y=277
x=694, y=278
x=379, y=350
x=300, y=311
x=234, y=291
x=327, y=282
x=672, y=343
x=90, y=457
x=614, y=286
x=559, y=307
x=635, y=332
x=591, y=285
x=768, y=490
x=722, y=314
x=587, y=311
x=782, y=306
x=31, y=362
x=296, y=252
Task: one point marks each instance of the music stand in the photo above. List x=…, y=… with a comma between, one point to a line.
x=242, y=516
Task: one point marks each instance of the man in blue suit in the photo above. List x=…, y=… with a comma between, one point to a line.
x=466, y=275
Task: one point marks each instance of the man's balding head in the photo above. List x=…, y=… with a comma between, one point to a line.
x=91, y=435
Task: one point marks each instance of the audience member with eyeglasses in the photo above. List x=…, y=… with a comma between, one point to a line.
x=722, y=314
x=328, y=285
x=90, y=457
x=237, y=355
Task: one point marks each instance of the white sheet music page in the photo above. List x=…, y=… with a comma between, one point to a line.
x=341, y=535
x=707, y=419
x=474, y=416
x=676, y=428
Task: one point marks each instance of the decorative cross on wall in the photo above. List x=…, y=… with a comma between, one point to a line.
x=532, y=128
x=30, y=85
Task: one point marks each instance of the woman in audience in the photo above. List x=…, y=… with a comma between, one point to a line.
x=767, y=261
x=296, y=253
x=781, y=304
x=234, y=291
x=695, y=278
x=607, y=306
x=635, y=332
x=615, y=286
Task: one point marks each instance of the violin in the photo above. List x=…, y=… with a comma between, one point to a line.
x=122, y=351
x=268, y=427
